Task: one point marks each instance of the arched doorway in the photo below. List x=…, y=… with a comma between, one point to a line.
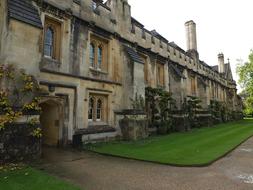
x=50, y=120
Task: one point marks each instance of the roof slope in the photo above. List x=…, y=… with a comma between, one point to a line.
x=227, y=71
x=133, y=55
x=215, y=68
x=177, y=71
x=24, y=11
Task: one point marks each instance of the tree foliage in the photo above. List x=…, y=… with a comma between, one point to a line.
x=245, y=72
x=159, y=104
x=191, y=106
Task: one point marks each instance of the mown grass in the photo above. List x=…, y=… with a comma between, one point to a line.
x=31, y=179
x=198, y=147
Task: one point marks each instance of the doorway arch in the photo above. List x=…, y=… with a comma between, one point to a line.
x=51, y=122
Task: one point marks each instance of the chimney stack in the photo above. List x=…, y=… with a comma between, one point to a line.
x=221, y=63
x=191, y=35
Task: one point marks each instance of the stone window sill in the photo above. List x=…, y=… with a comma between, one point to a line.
x=97, y=123
x=95, y=129
x=49, y=63
x=97, y=71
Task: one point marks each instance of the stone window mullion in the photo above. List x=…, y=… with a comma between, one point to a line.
x=94, y=109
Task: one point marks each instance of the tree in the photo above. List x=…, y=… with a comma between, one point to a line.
x=158, y=105
x=245, y=72
x=192, y=105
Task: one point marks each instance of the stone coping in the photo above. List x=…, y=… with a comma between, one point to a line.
x=130, y=112
x=95, y=129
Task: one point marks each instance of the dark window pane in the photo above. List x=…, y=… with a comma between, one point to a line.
x=91, y=105
x=100, y=52
x=49, y=42
x=99, y=109
x=92, y=55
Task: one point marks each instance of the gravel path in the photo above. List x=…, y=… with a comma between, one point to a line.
x=96, y=172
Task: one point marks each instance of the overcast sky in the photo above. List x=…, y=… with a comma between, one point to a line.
x=222, y=25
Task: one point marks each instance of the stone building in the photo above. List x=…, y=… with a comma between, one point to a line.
x=91, y=57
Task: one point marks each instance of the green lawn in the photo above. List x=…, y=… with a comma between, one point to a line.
x=198, y=147
x=31, y=179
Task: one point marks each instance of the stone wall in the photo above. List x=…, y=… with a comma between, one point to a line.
x=17, y=144
x=134, y=125
x=176, y=88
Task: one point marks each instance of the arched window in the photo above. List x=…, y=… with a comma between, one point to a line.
x=91, y=106
x=99, y=110
x=92, y=55
x=100, y=57
x=49, y=42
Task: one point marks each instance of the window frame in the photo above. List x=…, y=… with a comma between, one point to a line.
x=103, y=44
x=56, y=27
x=49, y=44
x=100, y=109
x=146, y=67
x=91, y=108
x=95, y=108
x=93, y=46
x=100, y=58
x=160, y=77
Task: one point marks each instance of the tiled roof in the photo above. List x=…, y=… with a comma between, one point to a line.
x=215, y=68
x=133, y=55
x=177, y=71
x=24, y=11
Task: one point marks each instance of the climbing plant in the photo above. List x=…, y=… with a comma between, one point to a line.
x=219, y=111
x=158, y=106
x=18, y=96
x=138, y=102
x=191, y=106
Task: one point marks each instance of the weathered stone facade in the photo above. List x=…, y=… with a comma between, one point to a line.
x=92, y=57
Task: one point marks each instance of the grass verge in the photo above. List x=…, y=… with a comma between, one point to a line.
x=199, y=147
x=28, y=178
